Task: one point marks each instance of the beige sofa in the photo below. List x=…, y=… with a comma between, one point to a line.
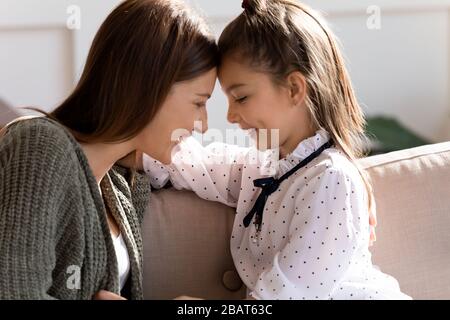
x=186, y=239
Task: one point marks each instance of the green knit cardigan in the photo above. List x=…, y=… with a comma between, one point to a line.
x=55, y=242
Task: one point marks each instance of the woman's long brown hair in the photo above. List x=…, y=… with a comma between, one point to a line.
x=142, y=48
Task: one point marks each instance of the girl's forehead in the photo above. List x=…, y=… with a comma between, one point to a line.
x=230, y=75
x=231, y=68
x=235, y=79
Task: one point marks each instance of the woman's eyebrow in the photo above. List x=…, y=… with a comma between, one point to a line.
x=206, y=95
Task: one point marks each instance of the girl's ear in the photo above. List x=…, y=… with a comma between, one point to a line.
x=297, y=87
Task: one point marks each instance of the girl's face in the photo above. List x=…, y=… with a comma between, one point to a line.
x=185, y=104
x=256, y=102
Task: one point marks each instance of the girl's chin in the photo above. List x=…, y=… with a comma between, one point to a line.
x=263, y=142
x=263, y=146
x=253, y=135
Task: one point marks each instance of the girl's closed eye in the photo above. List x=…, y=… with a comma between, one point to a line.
x=241, y=100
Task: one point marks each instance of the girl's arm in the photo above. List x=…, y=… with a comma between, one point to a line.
x=328, y=225
x=213, y=172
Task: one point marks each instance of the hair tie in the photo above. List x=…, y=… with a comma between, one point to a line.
x=245, y=4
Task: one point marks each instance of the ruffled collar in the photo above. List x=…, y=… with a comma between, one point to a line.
x=302, y=151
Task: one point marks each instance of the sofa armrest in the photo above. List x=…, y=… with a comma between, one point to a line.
x=413, y=207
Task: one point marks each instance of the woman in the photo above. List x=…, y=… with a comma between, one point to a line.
x=69, y=220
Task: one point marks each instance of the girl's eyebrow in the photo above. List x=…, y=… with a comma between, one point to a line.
x=234, y=86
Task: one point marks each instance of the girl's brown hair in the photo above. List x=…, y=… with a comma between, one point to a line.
x=142, y=48
x=282, y=36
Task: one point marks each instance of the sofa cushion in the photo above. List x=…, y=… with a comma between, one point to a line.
x=186, y=248
x=412, y=192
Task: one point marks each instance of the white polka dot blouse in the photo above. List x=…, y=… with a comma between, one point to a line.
x=314, y=237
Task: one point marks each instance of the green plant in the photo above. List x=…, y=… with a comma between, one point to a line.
x=388, y=134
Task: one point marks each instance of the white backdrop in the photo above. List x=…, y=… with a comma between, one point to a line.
x=401, y=69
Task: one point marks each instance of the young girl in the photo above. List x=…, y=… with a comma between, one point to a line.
x=303, y=232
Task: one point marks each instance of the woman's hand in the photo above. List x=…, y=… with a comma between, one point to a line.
x=187, y=298
x=192, y=298
x=107, y=295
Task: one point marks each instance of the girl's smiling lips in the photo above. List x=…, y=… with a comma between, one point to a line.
x=246, y=127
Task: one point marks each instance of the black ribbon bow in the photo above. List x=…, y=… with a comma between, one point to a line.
x=270, y=185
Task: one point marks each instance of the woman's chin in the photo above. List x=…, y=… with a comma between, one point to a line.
x=164, y=157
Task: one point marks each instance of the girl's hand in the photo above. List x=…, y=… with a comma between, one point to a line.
x=107, y=295
x=372, y=224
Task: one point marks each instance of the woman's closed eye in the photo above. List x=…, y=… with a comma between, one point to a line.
x=200, y=104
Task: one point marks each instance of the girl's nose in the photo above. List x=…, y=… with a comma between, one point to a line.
x=232, y=116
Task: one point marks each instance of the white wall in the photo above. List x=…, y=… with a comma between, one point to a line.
x=401, y=70
x=40, y=57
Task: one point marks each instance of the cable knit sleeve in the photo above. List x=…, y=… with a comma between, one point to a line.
x=34, y=165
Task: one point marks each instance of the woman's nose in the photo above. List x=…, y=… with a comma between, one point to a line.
x=203, y=123
x=205, y=126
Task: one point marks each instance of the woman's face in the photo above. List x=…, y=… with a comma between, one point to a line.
x=180, y=114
